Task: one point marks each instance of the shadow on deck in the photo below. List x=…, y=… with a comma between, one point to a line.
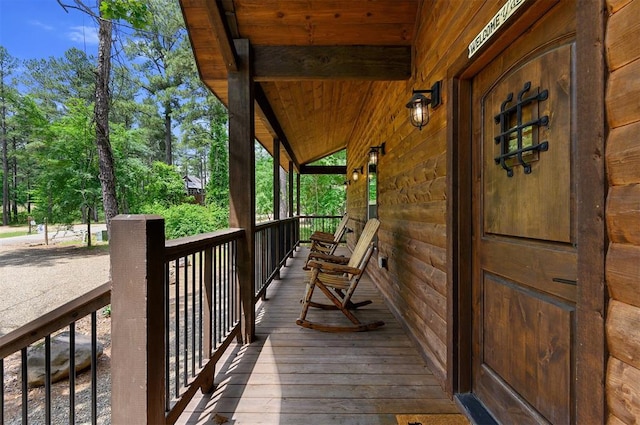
x=292, y=375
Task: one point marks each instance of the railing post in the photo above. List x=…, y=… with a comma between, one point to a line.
x=137, y=323
x=207, y=316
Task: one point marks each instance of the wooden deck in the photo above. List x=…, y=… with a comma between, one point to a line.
x=292, y=375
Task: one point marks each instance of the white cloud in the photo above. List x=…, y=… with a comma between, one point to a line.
x=42, y=25
x=83, y=34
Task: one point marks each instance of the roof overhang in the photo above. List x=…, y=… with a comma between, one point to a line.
x=314, y=62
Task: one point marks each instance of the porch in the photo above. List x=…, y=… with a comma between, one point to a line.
x=292, y=375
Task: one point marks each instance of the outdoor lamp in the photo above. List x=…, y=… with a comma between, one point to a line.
x=375, y=152
x=419, y=105
x=356, y=173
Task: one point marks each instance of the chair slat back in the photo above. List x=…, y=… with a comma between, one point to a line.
x=342, y=227
x=360, y=250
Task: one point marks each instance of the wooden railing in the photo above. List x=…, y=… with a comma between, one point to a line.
x=177, y=307
x=313, y=223
x=275, y=241
x=61, y=404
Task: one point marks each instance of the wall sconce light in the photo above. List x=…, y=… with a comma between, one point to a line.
x=419, y=105
x=356, y=173
x=375, y=153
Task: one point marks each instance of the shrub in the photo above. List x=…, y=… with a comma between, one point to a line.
x=189, y=219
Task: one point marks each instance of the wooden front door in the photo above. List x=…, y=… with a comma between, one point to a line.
x=524, y=230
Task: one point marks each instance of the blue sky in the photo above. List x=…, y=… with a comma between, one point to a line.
x=34, y=29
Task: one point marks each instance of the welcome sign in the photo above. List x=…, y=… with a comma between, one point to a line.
x=494, y=24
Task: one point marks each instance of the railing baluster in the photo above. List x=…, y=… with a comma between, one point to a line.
x=177, y=331
x=200, y=306
x=25, y=388
x=193, y=315
x=47, y=379
x=94, y=368
x=72, y=373
x=167, y=331
x=185, y=347
x=1, y=391
x=216, y=296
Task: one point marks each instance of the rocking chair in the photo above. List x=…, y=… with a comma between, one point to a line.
x=326, y=243
x=338, y=281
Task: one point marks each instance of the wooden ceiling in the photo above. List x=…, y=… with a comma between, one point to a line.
x=313, y=62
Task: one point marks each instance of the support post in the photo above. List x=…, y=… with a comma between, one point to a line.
x=207, y=318
x=242, y=181
x=298, y=194
x=291, y=171
x=291, y=233
x=277, y=237
x=138, y=322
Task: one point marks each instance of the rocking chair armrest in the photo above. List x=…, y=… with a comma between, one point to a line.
x=322, y=237
x=332, y=268
x=328, y=258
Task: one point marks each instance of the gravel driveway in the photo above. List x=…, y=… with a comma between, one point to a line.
x=37, y=279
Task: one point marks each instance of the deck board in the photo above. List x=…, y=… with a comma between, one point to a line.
x=293, y=375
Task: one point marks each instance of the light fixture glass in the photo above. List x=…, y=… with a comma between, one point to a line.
x=419, y=105
x=356, y=173
x=419, y=110
x=375, y=152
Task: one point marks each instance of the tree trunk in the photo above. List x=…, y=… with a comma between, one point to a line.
x=167, y=134
x=105, y=155
x=14, y=183
x=5, y=159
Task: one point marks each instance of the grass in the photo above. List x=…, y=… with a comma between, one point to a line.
x=13, y=234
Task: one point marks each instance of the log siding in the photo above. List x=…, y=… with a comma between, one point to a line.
x=623, y=211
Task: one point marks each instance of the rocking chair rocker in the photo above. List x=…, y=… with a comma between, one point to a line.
x=338, y=281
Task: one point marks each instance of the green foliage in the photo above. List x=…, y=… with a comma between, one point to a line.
x=133, y=11
x=68, y=183
x=264, y=183
x=164, y=186
x=324, y=194
x=189, y=219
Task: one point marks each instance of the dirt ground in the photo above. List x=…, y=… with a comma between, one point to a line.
x=37, y=279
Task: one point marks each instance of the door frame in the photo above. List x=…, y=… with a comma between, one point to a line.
x=590, y=347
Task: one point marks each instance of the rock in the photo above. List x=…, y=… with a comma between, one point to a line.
x=59, y=358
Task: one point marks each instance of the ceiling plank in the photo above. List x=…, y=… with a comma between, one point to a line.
x=282, y=63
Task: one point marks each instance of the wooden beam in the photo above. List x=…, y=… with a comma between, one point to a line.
x=221, y=33
x=280, y=63
x=591, y=347
x=292, y=235
x=323, y=169
x=242, y=181
x=267, y=111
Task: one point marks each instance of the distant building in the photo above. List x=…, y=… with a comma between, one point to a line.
x=194, y=188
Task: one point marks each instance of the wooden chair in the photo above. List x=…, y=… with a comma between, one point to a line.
x=326, y=243
x=338, y=281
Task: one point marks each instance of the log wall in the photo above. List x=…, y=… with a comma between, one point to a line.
x=623, y=211
x=412, y=199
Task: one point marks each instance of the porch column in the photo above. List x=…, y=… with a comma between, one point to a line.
x=277, y=237
x=297, y=233
x=242, y=180
x=137, y=323
x=291, y=234
x=291, y=171
x=298, y=194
